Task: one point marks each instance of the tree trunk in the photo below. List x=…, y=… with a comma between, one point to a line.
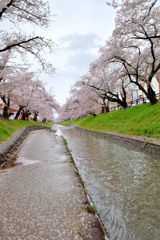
x=23, y=114
x=6, y=101
x=35, y=116
x=18, y=112
x=149, y=93
x=105, y=109
x=124, y=103
x=152, y=95
x=5, y=112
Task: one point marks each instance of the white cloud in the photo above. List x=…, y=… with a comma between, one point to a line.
x=82, y=16
x=77, y=52
x=79, y=29
x=79, y=49
x=77, y=41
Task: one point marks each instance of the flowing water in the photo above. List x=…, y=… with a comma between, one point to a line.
x=124, y=185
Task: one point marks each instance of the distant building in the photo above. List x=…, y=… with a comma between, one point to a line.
x=11, y=110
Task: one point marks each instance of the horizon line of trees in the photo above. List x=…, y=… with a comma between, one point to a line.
x=129, y=59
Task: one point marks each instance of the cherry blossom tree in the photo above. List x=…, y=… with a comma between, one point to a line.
x=32, y=98
x=135, y=43
x=5, y=89
x=106, y=80
x=87, y=99
x=23, y=91
x=88, y=96
x=43, y=104
x=27, y=95
x=83, y=101
x=26, y=11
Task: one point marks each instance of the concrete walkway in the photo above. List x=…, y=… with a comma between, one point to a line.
x=42, y=197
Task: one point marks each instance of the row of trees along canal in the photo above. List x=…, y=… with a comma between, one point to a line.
x=19, y=86
x=129, y=60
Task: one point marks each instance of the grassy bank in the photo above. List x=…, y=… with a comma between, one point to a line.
x=141, y=120
x=7, y=127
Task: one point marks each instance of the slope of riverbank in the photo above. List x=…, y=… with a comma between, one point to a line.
x=141, y=120
x=8, y=127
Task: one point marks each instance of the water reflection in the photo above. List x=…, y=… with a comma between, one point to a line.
x=124, y=185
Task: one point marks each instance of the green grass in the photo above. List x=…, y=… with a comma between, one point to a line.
x=8, y=127
x=141, y=120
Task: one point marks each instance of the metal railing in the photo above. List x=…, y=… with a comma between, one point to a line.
x=137, y=101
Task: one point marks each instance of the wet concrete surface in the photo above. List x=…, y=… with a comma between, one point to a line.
x=42, y=196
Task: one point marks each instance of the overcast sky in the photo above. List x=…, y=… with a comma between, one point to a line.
x=80, y=27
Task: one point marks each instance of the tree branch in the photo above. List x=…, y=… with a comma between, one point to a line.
x=5, y=8
x=18, y=44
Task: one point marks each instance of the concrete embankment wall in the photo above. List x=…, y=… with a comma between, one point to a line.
x=138, y=143
x=10, y=146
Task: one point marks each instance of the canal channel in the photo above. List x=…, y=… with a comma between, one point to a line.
x=123, y=184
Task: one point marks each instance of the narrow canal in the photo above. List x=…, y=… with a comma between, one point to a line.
x=124, y=185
